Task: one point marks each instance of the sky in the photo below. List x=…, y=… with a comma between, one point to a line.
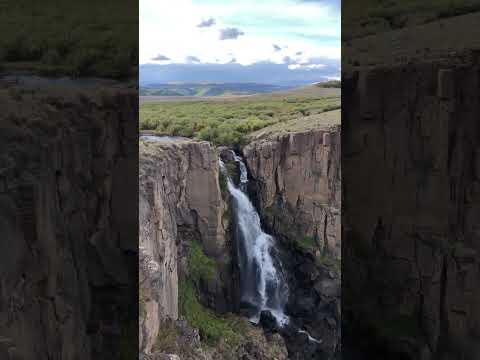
x=301, y=34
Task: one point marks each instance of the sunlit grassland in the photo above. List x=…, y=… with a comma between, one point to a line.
x=228, y=122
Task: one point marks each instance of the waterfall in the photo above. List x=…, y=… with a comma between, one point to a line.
x=243, y=171
x=262, y=283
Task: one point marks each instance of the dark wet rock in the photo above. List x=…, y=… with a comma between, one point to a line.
x=327, y=288
x=226, y=153
x=268, y=321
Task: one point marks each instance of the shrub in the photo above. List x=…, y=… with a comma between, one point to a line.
x=228, y=122
x=307, y=243
x=212, y=327
x=330, y=84
x=200, y=266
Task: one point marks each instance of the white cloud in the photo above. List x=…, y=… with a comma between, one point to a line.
x=171, y=29
x=306, y=66
x=230, y=33
x=207, y=23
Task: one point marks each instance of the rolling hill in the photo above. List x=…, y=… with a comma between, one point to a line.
x=208, y=89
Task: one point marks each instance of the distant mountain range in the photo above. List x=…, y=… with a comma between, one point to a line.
x=208, y=89
x=258, y=73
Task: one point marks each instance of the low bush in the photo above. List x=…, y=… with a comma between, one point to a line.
x=211, y=326
x=200, y=266
x=228, y=122
x=307, y=243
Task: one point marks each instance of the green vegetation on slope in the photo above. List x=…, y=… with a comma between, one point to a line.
x=211, y=326
x=307, y=243
x=207, y=89
x=200, y=266
x=330, y=84
x=87, y=38
x=228, y=122
x=374, y=16
x=304, y=123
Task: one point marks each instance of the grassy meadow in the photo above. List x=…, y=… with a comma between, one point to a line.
x=87, y=38
x=366, y=17
x=229, y=121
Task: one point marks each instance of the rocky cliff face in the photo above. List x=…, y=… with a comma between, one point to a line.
x=411, y=210
x=180, y=202
x=297, y=182
x=68, y=252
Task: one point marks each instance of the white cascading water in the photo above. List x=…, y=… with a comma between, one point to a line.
x=262, y=283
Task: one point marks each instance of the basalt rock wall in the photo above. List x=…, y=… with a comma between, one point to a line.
x=68, y=255
x=180, y=202
x=410, y=210
x=297, y=184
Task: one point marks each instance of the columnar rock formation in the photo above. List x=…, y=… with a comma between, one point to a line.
x=68, y=223
x=297, y=180
x=297, y=177
x=180, y=201
x=411, y=210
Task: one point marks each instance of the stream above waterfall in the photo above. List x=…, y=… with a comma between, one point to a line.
x=263, y=286
x=163, y=138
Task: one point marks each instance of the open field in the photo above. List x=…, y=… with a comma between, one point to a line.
x=304, y=123
x=308, y=91
x=365, y=17
x=442, y=39
x=207, y=89
x=88, y=38
x=228, y=121
x=154, y=98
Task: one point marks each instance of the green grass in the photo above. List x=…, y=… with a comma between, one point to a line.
x=330, y=84
x=228, y=122
x=401, y=13
x=307, y=243
x=87, y=38
x=200, y=266
x=330, y=262
x=212, y=327
x=206, y=89
x=318, y=121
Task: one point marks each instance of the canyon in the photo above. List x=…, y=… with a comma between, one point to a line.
x=189, y=241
